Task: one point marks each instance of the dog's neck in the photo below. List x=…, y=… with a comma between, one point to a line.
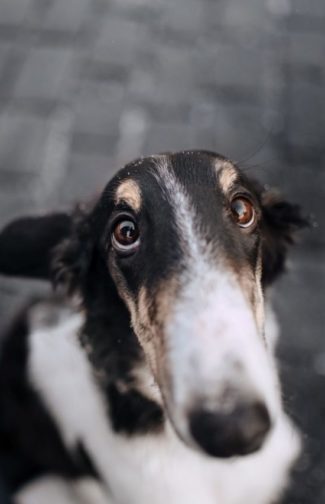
x=118, y=361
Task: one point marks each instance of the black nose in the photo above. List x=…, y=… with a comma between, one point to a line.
x=228, y=434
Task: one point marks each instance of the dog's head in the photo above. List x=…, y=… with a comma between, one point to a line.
x=189, y=244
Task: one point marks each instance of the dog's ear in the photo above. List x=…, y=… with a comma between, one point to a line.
x=71, y=258
x=26, y=244
x=281, y=222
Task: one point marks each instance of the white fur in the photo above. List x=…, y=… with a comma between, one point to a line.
x=173, y=192
x=213, y=340
x=213, y=346
x=52, y=489
x=151, y=469
x=47, y=489
x=90, y=491
x=272, y=331
x=211, y=324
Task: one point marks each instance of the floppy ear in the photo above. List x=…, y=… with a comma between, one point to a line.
x=71, y=258
x=26, y=244
x=281, y=220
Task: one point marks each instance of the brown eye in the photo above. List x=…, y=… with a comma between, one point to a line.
x=125, y=236
x=243, y=212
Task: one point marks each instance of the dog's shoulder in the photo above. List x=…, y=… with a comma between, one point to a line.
x=31, y=439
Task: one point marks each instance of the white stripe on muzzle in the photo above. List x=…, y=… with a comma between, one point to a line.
x=215, y=351
x=216, y=357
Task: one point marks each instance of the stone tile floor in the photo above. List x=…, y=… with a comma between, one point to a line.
x=86, y=85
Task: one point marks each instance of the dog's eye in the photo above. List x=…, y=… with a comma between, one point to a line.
x=243, y=212
x=126, y=236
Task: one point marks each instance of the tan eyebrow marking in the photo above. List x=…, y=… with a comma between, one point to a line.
x=129, y=191
x=227, y=174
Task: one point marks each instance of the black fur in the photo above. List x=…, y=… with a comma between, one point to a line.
x=132, y=413
x=30, y=443
x=75, y=251
x=282, y=220
x=114, y=352
x=26, y=244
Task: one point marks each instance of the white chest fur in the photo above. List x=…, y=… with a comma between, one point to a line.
x=152, y=469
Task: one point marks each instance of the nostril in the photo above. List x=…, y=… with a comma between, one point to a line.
x=228, y=434
x=255, y=423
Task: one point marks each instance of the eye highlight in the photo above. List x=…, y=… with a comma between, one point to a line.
x=125, y=236
x=243, y=212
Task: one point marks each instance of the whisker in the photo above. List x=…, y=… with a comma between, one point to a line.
x=260, y=146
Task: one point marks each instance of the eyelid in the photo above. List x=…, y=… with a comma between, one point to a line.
x=120, y=212
x=241, y=192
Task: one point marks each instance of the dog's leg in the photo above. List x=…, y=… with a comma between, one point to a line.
x=91, y=491
x=52, y=489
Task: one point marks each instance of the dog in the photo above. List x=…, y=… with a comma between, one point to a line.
x=150, y=376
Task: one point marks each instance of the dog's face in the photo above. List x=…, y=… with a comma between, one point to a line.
x=190, y=244
x=183, y=244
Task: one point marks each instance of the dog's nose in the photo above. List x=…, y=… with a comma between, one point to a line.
x=229, y=434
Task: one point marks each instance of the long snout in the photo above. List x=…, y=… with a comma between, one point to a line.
x=223, y=394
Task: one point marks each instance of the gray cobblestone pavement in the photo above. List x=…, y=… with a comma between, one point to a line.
x=86, y=85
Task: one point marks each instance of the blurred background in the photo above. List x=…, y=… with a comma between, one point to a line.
x=86, y=85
